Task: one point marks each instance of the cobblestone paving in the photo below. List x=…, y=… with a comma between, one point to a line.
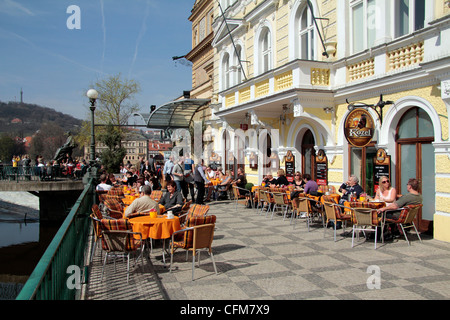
x=262, y=258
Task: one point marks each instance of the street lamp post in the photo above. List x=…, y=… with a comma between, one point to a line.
x=92, y=94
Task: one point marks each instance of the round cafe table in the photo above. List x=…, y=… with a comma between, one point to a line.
x=155, y=228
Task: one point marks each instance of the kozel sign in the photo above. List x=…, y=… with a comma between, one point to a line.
x=359, y=128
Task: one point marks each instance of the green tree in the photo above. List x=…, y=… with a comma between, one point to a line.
x=114, y=105
x=112, y=157
x=116, y=100
x=6, y=148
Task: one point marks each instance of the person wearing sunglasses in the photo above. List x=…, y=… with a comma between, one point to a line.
x=385, y=192
x=412, y=197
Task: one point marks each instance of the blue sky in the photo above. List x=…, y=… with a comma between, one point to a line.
x=56, y=65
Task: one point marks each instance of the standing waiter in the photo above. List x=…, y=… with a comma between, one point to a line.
x=200, y=180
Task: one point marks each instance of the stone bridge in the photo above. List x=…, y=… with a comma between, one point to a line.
x=55, y=197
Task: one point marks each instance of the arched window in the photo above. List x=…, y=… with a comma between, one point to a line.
x=416, y=159
x=306, y=35
x=265, y=50
x=225, y=71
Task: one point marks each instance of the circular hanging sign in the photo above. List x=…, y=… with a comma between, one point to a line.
x=359, y=127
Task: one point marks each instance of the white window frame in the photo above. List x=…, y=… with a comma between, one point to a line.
x=411, y=18
x=259, y=53
x=310, y=33
x=225, y=71
x=369, y=15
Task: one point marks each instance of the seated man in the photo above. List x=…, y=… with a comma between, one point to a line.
x=351, y=186
x=144, y=203
x=412, y=197
x=172, y=199
x=103, y=186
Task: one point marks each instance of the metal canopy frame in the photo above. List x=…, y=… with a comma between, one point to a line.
x=176, y=114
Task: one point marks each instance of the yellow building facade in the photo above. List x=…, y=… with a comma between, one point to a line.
x=288, y=73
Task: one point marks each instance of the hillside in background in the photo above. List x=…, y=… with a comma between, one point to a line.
x=24, y=119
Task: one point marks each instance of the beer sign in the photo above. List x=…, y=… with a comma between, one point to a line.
x=359, y=127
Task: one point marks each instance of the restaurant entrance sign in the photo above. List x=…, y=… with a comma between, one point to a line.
x=321, y=168
x=359, y=127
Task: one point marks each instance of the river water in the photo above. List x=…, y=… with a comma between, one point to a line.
x=23, y=240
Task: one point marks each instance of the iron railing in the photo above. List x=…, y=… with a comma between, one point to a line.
x=36, y=173
x=50, y=278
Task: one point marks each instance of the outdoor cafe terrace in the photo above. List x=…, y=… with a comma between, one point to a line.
x=265, y=256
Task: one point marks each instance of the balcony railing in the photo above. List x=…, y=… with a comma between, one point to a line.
x=50, y=278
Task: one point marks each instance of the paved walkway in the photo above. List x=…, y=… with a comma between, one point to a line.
x=260, y=258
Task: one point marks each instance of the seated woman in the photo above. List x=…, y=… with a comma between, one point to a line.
x=299, y=184
x=268, y=180
x=241, y=181
x=172, y=199
x=281, y=180
x=385, y=191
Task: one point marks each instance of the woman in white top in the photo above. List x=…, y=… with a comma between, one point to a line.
x=385, y=191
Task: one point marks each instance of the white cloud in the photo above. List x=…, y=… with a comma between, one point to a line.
x=13, y=8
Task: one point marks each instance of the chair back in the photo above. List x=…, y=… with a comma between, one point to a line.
x=203, y=236
x=101, y=195
x=114, y=205
x=116, y=191
x=304, y=204
x=236, y=193
x=117, y=235
x=192, y=222
x=267, y=197
x=280, y=198
x=365, y=217
x=197, y=210
x=185, y=207
x=330, y=199
x=96, y=211
x=96, y=223
x=409, y=213
x=156, y=195
x=295, y=203
x=330, y=210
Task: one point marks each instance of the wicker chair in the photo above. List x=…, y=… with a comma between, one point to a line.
x=197, y=235
x=156, y=195
x=118, y=240
x=114, y=208
x=406, y=220
x=333, y=212
x=365, y=219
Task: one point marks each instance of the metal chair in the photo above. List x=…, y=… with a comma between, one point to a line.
x=406, y=220
x=197, y=235
x=197, y=210
x=241, y=197
x=333, y=212
x=118, y=240
x=268, y=201
x=365, y=219
x=281, y=200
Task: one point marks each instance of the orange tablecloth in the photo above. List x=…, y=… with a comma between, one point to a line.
x=335, y=196
x=155, y=228
x=365, y=204
x=127, y=201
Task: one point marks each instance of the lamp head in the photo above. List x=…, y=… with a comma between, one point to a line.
x=92, y=94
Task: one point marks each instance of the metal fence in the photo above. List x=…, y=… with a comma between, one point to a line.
x=55, y=276
x=38, y=173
